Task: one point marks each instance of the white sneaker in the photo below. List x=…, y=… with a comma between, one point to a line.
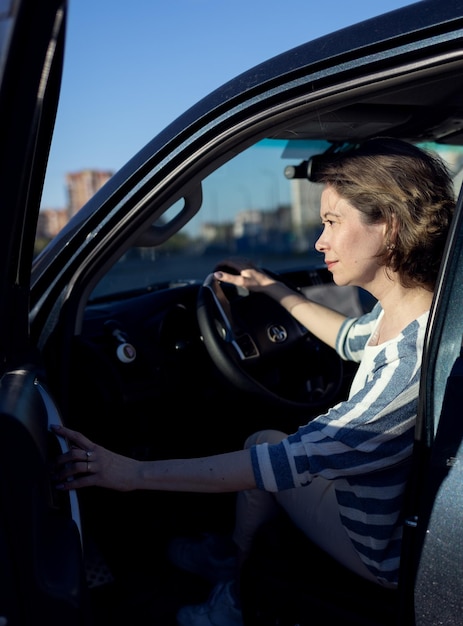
x=219, y=610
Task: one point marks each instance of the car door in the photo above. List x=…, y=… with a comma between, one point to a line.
x=433, y=554
x=41, y=574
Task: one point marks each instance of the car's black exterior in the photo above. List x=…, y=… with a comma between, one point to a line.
x=401, y=75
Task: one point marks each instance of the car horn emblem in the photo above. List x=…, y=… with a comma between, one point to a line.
x=277, y=333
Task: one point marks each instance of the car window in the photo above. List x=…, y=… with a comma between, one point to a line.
x=249, y=209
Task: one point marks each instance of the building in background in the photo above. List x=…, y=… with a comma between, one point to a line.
x=50, y=222
x=305, y=211
x=81, y=186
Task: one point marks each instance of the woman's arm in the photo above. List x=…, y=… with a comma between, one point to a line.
x=88, y=464
x=322, y=321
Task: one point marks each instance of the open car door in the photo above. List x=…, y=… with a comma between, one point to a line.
x=41, y=572
x=433, y=544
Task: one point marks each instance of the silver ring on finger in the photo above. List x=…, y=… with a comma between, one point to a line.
x=88, y=454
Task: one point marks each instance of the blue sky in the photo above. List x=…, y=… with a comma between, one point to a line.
x=131, y=68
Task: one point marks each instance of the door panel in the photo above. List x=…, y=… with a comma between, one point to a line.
x=39, y=538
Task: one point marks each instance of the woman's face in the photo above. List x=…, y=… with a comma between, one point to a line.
x=350, y=246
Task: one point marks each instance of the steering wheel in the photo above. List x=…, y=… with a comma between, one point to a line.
x=261, y=349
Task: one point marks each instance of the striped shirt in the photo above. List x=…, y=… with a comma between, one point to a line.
x=364, y=444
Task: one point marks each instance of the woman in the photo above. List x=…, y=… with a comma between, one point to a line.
x=385, y=208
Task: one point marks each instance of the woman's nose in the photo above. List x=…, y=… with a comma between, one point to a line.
x=319, y=244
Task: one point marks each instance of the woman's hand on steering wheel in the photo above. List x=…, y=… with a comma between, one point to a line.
x=243, y=273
